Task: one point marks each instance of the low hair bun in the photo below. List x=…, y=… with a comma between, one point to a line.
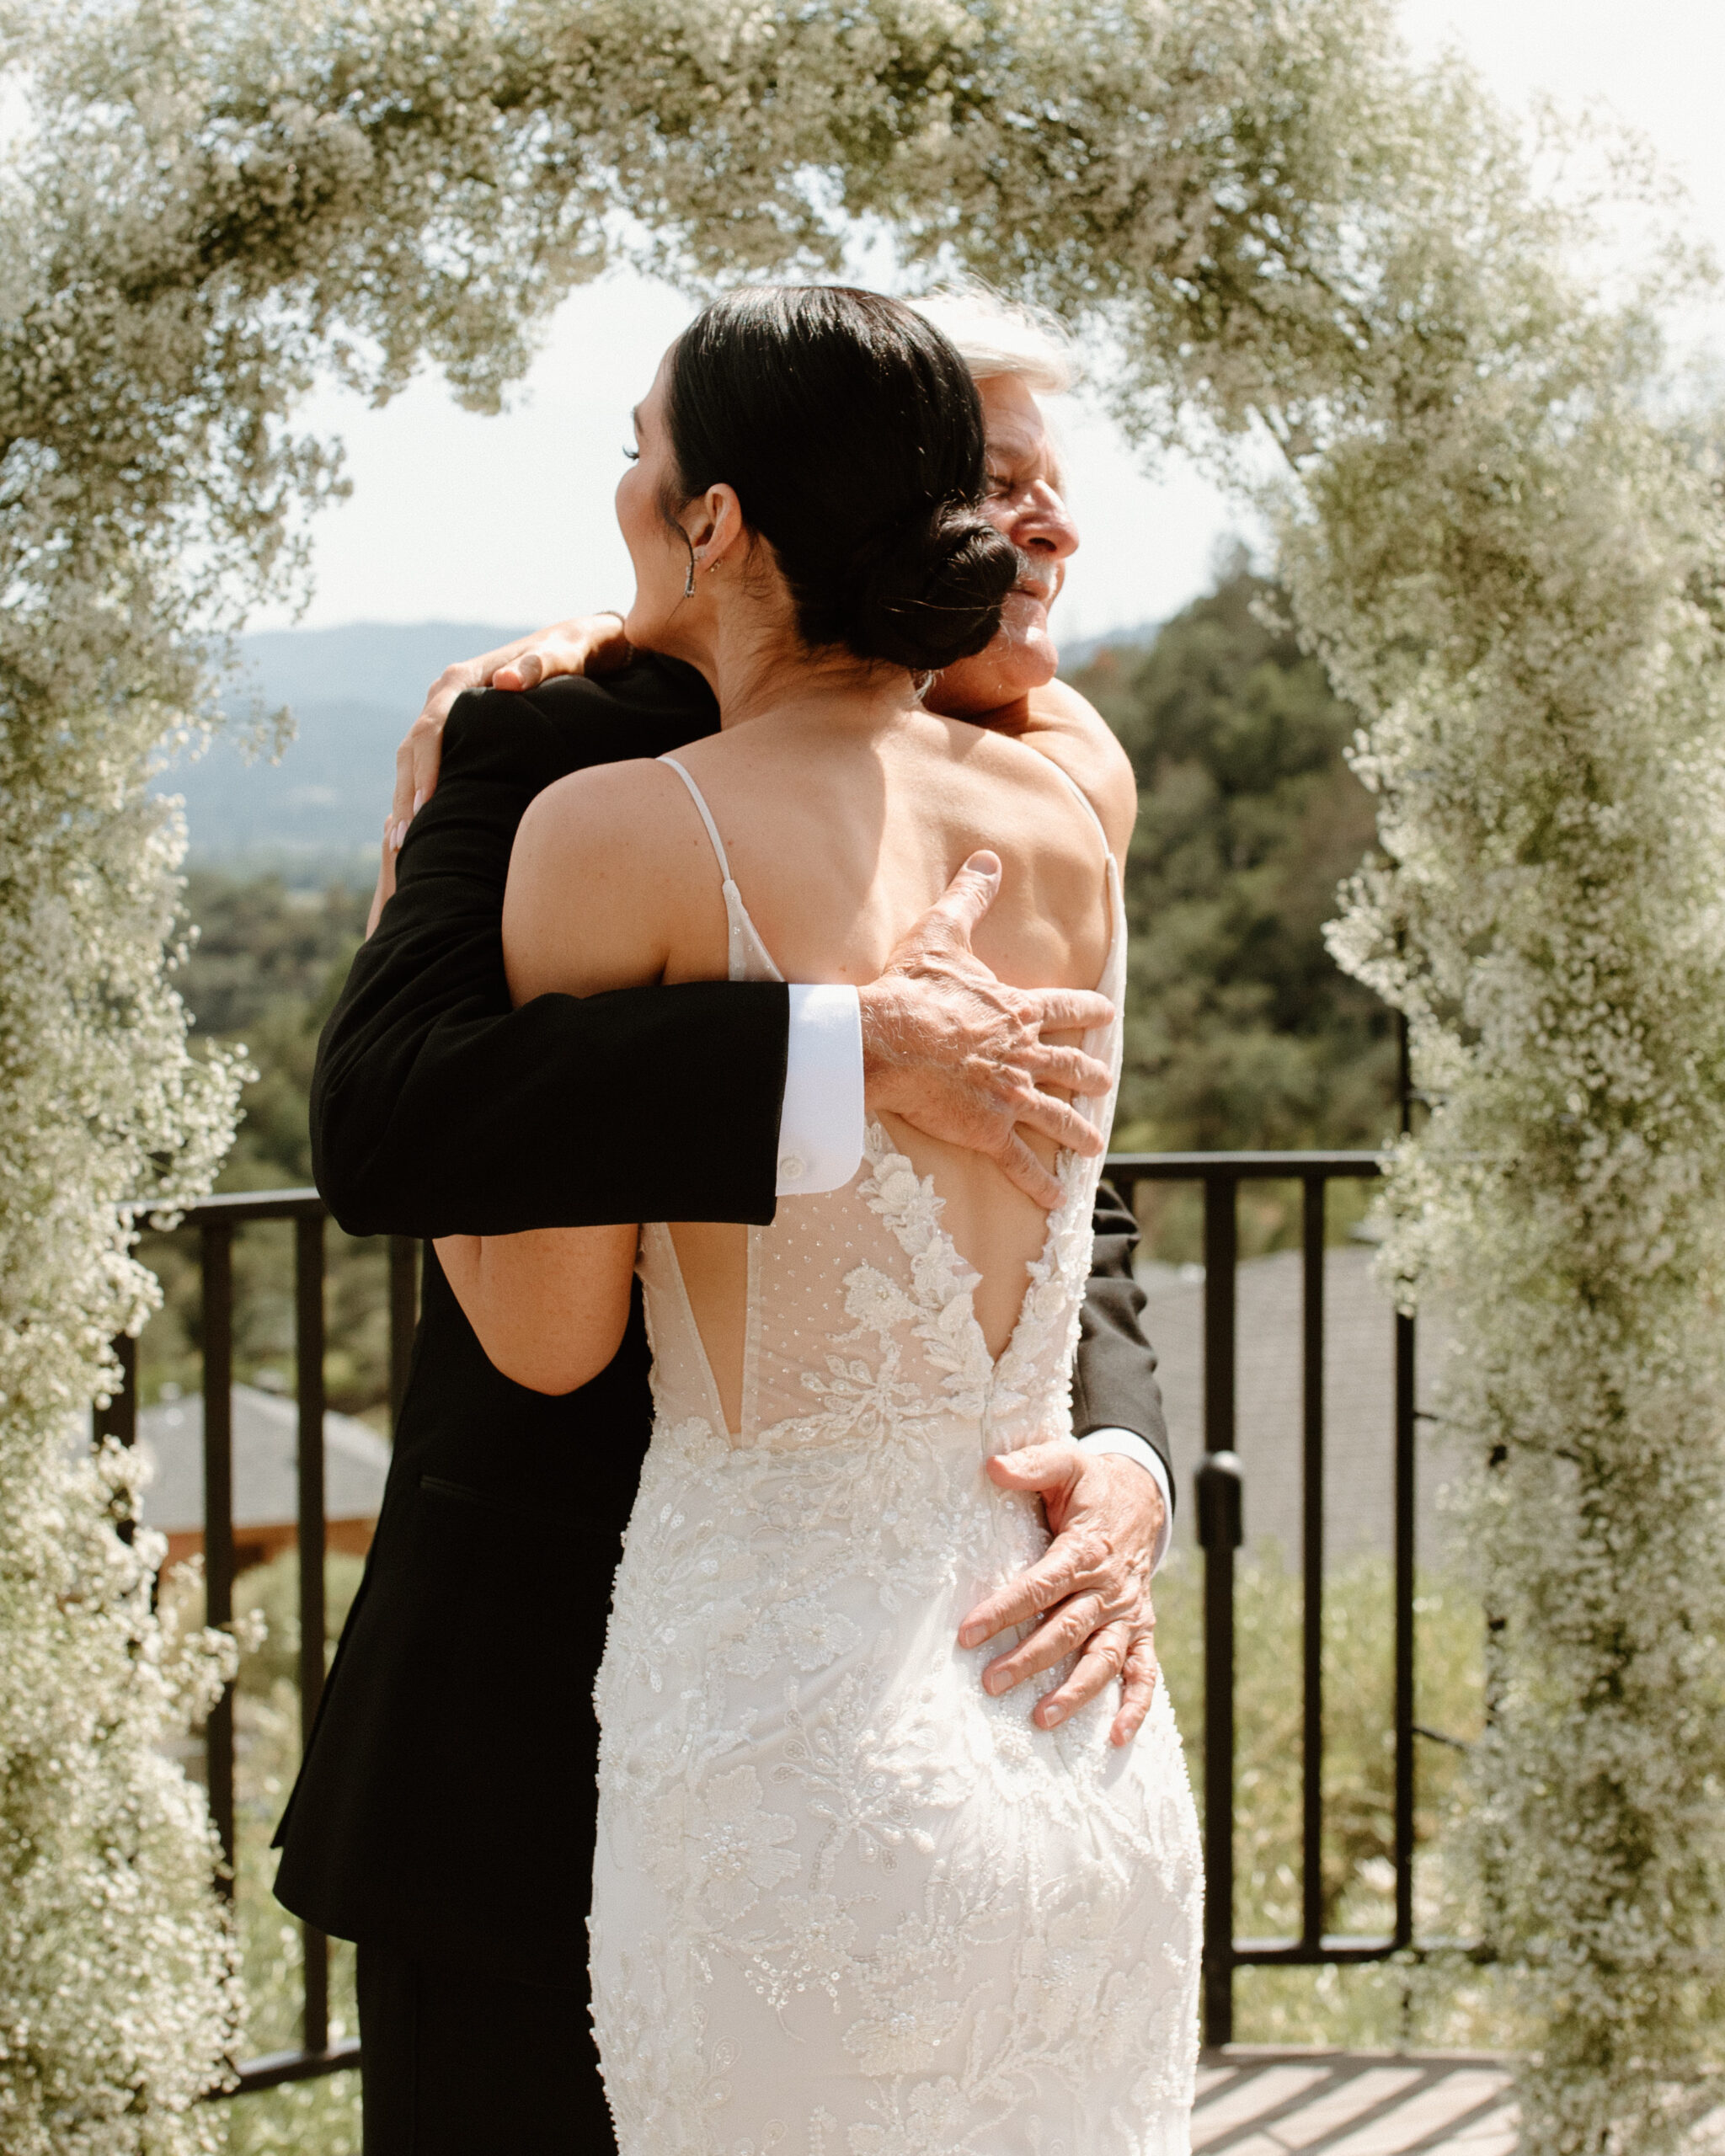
x=928, y=592
x=852, y=432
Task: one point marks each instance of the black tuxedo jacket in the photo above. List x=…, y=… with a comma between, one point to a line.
x=445, y=1806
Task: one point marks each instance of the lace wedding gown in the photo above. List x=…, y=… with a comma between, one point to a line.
x=846, y=1904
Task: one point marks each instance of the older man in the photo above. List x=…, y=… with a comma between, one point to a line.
x=444, y=1818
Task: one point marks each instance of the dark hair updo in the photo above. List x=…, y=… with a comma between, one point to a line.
x=852, y=432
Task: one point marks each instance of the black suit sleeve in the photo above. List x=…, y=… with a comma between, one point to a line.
x=437, y=1110
x=1113, y=1384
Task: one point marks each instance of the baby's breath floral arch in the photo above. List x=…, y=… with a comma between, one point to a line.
x=1505, y=545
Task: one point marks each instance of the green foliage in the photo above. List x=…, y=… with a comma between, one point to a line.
x=1242, y=1032
x=1446, y=2001
x=302, y=2117
x=259, y=946
x=265, y=969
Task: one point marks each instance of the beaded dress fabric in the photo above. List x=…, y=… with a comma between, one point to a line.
x=846, y=1904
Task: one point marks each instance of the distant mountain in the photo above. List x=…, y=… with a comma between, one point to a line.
x=1082, y=650
x=316, y=815
x=319, y=812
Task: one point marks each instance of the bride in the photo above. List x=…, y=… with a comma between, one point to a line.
x=844, y=1904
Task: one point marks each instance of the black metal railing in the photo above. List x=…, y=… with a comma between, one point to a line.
x=214, y=1223
x=1220, y=1488
x=1221, y=1493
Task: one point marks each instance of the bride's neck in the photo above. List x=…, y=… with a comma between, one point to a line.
x=758, y=669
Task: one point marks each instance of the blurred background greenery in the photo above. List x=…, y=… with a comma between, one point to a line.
x=264, y=970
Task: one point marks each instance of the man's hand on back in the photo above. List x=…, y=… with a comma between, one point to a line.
x=961, y=1056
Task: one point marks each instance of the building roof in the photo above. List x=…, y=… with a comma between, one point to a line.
x=265, y=1456
x=1359, y=1403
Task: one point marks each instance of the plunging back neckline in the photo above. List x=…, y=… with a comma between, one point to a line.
x=918, y=1226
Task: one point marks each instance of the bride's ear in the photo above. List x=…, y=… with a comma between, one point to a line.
x=715, y=526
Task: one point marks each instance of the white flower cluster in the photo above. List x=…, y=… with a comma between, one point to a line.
x=1263, y=222
x=1517, y=572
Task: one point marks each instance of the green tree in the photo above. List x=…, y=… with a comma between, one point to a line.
x=1241, y=1030
x=262, y=972
x=261, y=976
x=258, y=944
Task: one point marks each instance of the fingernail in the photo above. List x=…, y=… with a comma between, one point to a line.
x=994, y=1682
x=1050, y=1716
x=395, y=836
x=971, y=1636
x=419, y=801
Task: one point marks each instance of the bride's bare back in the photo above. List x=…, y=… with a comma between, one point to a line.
x=842, y=828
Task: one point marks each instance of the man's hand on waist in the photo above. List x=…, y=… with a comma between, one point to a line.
x=1089, y=1592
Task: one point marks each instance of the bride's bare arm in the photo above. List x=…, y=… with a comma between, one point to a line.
x=585, y=910
x=550, y=1306
x=609, y=866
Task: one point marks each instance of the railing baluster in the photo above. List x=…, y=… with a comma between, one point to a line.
x=308, y=1364
x=1314, y=1191
x=1219, y=1477
x=1221, y=1531
x=1404, y=1628
x=1220, y=1254
x=218, y=1513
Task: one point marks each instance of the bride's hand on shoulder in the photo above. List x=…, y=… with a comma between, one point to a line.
x=386, y=878
x=584, y=643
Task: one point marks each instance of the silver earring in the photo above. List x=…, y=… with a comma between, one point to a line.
x=689, y=580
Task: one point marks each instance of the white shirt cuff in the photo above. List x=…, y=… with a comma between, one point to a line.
x=820, y=1125
x=1129, y=1442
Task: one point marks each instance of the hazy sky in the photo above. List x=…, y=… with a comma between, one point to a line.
x=509, y=519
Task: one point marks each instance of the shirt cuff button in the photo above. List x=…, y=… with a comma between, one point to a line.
x=792, y=1167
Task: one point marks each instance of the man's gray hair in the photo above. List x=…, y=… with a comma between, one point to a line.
x=997, y=337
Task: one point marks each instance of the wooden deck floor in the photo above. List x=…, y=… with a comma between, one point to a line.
x=1264, y=2103
x=1253, y=2102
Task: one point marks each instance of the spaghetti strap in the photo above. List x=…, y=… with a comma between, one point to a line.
x=749, y=958
x=1088, y=805
x=700, y=802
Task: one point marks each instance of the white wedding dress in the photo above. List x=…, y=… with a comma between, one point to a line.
x=846, y=1904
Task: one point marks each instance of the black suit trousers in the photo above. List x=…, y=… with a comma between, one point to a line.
x=461, y=2063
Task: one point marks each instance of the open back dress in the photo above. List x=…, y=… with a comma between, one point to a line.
x=846, y=1903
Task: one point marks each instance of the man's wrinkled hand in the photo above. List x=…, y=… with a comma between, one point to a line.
x=586, y=643
x=961, y=1056
x=1090, y=1588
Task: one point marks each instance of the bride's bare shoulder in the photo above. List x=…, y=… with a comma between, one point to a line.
x=1070, y=731
x=599, y=881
